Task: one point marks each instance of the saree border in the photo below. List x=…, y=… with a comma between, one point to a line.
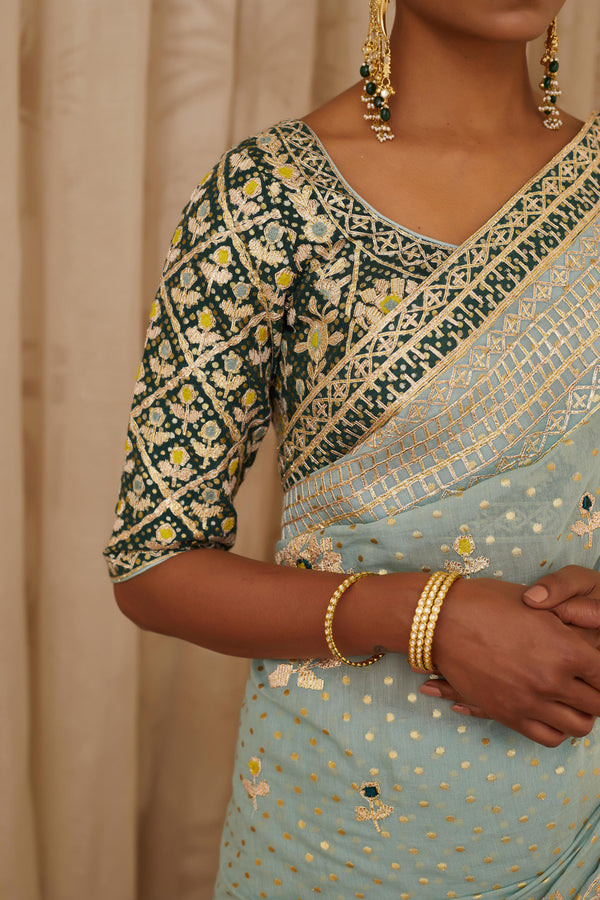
x=430, y=451
x=485, y=255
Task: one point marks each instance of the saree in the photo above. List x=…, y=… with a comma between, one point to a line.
x=438, y=408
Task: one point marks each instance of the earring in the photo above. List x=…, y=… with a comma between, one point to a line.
x=376, y=71
x=549, y=84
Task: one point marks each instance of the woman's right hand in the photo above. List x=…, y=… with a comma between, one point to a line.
x=522, y=667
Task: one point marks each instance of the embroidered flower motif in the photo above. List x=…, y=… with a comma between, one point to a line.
x=185, y=410
x=592, y=893
x=175, y=467
x=377, y=810
x=589, y=521
x=310, y=553
x=319, y=229
x=307, y=679
x=255, y=789
x=464, y=545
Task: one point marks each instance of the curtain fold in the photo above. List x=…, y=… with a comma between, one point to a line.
x=18, y=857
x=116, y=746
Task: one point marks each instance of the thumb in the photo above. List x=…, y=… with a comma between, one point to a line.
x=551, y=590
x=581, y=611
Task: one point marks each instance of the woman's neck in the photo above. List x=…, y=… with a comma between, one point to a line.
x=459, y=83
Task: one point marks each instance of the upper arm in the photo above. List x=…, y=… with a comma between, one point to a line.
x=201, y=400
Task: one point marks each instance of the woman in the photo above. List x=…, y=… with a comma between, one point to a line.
x=437, y=404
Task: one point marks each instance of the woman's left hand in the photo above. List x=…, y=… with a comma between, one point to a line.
x=571, y=593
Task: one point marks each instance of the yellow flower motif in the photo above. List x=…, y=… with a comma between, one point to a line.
x=255, y=766
x=283, y=278
x=165, y=534
x=249, y=398
x=187, y=394
x=223, y=256
x=251, y=187
x=179, y=456
x=262, y=333
x=464, y=545
x=176, y=236
x=234, y=466
x=154, y=310
x=206, y=320
x=228, y=525
x=285, y=171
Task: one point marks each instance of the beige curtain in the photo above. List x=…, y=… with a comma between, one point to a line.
x=116, y=747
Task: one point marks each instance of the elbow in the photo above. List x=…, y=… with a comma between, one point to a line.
x=128, y=601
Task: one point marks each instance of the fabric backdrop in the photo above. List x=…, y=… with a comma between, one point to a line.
x=116, y=746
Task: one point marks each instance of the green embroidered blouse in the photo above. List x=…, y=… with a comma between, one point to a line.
x=275, y=271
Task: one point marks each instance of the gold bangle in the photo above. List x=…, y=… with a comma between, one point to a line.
x=433, y=617
x=421, y=616
x=329, y=622
x=425, y=620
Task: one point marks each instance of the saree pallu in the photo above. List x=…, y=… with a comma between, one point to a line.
x=350, y=783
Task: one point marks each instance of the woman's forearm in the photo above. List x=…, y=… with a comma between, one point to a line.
x=242, y=607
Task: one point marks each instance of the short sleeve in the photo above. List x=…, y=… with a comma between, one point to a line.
x=201, y=401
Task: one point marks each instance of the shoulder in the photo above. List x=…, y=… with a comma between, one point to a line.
x=263, y=161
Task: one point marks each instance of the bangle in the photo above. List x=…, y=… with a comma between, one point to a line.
x=425, y=620
x=329, y=622
x=421, y=616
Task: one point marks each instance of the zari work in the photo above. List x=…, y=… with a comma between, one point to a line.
x=438, y=408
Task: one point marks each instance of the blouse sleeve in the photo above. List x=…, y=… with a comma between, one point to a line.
x=201, y=401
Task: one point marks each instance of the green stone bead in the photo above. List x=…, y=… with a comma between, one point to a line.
x=554, y=66
x=548, y=82
x=371, y=88
x=378, y=101
x=365, y=71
x=385, y=114
x=553, y=99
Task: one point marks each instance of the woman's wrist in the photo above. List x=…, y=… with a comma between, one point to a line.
x=376, y=614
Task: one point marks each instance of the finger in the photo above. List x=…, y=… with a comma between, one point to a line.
x=476, y=711
x=565, y=719
x=551, y=590
x=541, y=733
x=581, y=611
x=439, y=687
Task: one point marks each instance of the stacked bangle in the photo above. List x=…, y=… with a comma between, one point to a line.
x=425, y=620
x=329, y=622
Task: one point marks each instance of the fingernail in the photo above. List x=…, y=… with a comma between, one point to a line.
x=536, y=594
x=430, y=689
x=459, y=708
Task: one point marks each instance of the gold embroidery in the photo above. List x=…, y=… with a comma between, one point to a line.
x=450, y=303
x=464, y=545
x=306, y=676
x=377, y=810
x=595, y=887
x=310, y=552
x=254, y=789
x=589, y=521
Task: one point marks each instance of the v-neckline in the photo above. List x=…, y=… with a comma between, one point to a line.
x=541, y=173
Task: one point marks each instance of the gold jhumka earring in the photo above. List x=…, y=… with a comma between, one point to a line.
x=549, y=83
x=376, y=71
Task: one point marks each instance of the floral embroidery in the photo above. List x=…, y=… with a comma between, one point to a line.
x=376, y=810
x=464, y=545
x=595, y=887
x=310, y=553
x=254, y=789
x=589, y=521
x=306, y=676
